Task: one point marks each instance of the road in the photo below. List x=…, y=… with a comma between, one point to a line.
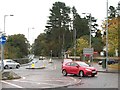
x=51, y=77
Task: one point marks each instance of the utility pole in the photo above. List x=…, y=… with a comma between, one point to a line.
x=90, y=28
x=74, y=38
x=90, y=22
x=74, y=43
x=29, y=39
x=118, y=27
x=63, y=51
x=107, y=37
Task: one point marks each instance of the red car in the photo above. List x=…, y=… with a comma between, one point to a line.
x=78, y=68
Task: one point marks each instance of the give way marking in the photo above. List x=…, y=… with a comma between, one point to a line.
x=11, y=84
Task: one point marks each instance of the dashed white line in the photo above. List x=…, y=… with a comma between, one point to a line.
x=11, y=84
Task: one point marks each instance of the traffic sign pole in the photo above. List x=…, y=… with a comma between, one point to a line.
x=2, y=57
x=2, y=42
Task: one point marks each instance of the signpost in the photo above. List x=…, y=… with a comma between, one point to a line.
x=2, y=42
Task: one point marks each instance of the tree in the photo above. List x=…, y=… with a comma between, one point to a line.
x=80, y=24
x=112, y=35
x=40, y=45
x=58, y=28
x=16, y=46
x=58, y=35
x=82, y=42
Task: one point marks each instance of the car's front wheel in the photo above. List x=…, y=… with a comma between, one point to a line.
x=6, y=67
x=18, y=66
x=64, y=72
x=81, y=74
x=93, y=75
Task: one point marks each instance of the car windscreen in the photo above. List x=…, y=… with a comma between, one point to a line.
x=83, y=64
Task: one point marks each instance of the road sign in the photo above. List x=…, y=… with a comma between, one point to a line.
x=88, y=51
x=2, y=40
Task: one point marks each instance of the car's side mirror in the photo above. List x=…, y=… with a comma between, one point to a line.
x=77, y=66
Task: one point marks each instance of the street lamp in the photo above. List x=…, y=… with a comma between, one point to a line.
x=107, y=37
x=5, y=20
x=90, y=28
x=90, y=19
x=28, y=31
x=28, y=39
x=74, y=38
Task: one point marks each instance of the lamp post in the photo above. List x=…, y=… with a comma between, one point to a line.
x=74, y=38
x=28, y=38
x=5, y=20
x=90, y=27
x=28, y=32
x=90, y=19
x=119, y=27
x=107, y=36
x=74, y=43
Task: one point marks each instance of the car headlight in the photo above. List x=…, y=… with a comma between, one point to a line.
x=88, y=69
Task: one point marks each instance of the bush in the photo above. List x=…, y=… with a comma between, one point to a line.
x=22, y=60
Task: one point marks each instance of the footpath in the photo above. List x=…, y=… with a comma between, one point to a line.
x=104, y=70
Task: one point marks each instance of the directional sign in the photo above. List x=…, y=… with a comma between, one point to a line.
x=88, y=51
x=2, y=40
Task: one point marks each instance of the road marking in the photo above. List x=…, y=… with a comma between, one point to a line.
x=23, y=77
x=55, y=67
x=75, y=80
x=38, y=83
x=12, y=84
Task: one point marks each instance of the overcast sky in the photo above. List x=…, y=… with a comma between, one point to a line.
x=34, y=13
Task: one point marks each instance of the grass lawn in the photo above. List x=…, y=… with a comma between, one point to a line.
x=114, y=66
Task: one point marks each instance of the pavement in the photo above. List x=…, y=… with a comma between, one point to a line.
x=104, y=70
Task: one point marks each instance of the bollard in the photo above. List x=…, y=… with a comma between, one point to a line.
x=50, y=61
x=33, y=65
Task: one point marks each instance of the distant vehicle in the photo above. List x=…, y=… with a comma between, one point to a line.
x=78, y=68
x=100, y=62
x=111, y=61
x=9, y=63
x=41, y=58
x=66, y=60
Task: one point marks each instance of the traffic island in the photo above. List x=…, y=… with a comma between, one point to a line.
x=36, y=67
x=33, y=66
x=9, y=75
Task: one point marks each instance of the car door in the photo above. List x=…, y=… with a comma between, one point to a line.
x=74, y=68
x=8, y=63
x=13, y=63
x=67, y=67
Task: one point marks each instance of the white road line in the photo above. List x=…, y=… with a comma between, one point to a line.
x=23, y=77
x=37, y=82
x=11, y=84
x=75, y=80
